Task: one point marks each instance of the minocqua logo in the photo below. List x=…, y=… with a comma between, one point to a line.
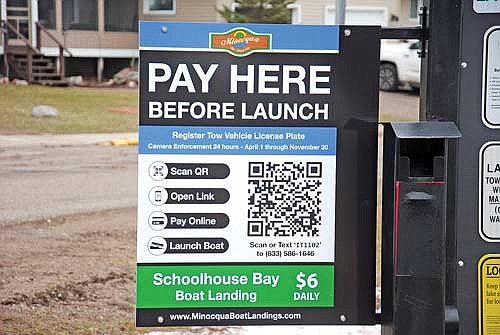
x=240, y=41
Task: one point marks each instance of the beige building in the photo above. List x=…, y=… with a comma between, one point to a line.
x=387, y=13
x=101, y=35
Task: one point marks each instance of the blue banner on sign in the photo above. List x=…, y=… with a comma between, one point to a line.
x=237, y=140
x=199, y=36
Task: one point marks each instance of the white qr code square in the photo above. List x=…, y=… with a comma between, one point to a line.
x=284, y=199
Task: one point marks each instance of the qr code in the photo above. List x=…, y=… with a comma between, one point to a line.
x=284, y=198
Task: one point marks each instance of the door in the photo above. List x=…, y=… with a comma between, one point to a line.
x=18, y=16
x=413, y=61
x=376, y=16
x=366, y=16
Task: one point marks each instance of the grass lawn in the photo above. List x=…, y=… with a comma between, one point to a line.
x=85, y=110
x=81, y=110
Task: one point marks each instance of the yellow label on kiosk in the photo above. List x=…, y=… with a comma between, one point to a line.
x=489, y=294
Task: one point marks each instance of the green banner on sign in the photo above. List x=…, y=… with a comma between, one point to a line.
x=192, y=286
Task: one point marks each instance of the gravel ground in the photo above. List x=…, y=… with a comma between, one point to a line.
x=46, y=181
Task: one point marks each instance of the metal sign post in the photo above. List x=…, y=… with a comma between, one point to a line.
x=257, y=174
x=466, y=75
x=340, y=12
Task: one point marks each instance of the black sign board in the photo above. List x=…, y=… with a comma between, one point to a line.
x=258, y=144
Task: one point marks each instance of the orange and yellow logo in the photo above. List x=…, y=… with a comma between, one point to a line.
x=240, y=41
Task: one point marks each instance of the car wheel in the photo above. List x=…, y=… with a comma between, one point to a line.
x=388, y=77
x=415, y=88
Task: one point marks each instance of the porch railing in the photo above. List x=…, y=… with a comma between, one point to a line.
x=30, y=50
x=40, y=28
x=6, y=27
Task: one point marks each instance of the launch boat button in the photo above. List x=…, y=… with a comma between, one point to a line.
x=196, y=245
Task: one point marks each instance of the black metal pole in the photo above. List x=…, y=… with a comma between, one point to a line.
x=439, y=101
x=441, y=67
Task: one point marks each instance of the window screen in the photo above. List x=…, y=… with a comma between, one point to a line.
x=47, y=13
x=160, y=5
x=80, y=14
x=121, y=15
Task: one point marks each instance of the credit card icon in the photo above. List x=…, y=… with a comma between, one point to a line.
x=157, y=221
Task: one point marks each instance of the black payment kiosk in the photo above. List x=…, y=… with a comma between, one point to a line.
x=414, y=230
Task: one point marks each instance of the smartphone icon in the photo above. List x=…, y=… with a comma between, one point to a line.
x=157, y=195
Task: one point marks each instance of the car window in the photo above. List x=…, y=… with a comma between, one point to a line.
x=415, y=45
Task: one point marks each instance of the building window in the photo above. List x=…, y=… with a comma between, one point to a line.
x=47, y=13
x=160, y=7
x=120, y=15
x=294, y=15
x=359, y=16
x=79, y=14
x=414, y=8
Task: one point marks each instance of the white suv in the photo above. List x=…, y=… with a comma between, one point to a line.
x=399, y=65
